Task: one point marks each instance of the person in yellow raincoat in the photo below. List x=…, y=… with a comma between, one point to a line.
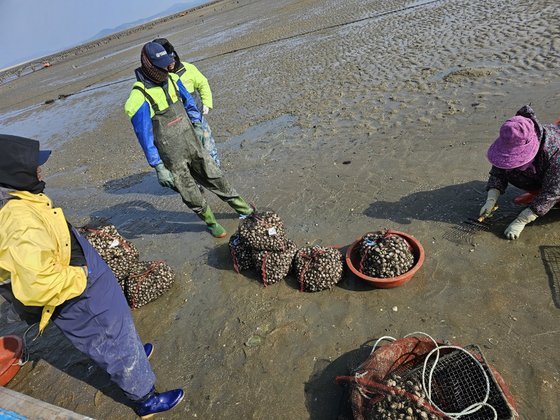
x=50, y=272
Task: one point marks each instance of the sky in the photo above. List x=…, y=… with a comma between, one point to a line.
x=30, y=29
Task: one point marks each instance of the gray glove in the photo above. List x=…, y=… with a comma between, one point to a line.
x=516, y=227
x=491, y=200
x=164, y=176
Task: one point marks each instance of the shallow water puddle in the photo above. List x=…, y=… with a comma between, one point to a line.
x=55, y=123
x=454, y=73
x=281, y=129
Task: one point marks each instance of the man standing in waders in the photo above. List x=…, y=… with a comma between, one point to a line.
x=167, y=124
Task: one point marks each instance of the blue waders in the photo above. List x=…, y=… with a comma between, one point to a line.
x=209, y=143
x=99, y=324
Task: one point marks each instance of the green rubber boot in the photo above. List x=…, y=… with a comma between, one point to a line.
x=215, y=228
x=240, y=206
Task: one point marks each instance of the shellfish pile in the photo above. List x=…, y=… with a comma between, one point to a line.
x=260, y=243
x=120, y=255
x=241, y=253
x=397, y=406
x=147, y=281
x=274, y=266
x=385, y=255
x=318, y=268
x=141, y=281
x=263, y=231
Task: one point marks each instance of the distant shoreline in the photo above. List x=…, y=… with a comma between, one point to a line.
x=31, y=66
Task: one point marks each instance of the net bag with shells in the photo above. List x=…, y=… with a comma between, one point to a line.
x=398, y=404
x=120, y=254
x=318, y=268
x=274, y=266
x=406, y=380
x=385, y=254
x=147, y=281
x=241, y=253
x=263, y=231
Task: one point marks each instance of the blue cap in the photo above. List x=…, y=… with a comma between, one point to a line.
x=157, y=55
x=43, y=156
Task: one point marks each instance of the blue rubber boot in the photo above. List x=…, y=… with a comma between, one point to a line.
x=156, y=402
x=149, y=350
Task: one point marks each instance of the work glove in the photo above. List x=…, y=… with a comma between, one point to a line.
x=164, y=176
x=491, y=200
x=516, y=227
x=199, y=132
x=205, y=110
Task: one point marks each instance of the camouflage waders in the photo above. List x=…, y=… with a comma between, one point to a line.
x=185, y=156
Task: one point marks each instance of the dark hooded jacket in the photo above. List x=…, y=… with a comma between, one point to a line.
x=18, y=164
x=544, y=177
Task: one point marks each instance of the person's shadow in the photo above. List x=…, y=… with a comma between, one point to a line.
x=55, y=349
x=324, y=397
x=458, y=206
x=141, y=183
x=449, y=204
x=137, y=217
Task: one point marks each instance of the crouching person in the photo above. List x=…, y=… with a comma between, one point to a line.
x=50, y=269
x=527, y=155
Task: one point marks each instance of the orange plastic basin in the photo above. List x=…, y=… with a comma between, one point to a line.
x=11, y=349
x=353, y=262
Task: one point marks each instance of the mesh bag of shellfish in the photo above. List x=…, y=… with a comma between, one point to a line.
x=274, y=266
x=263, y=231
x=384, y=255
x=456, y=384
x=398, y=406
x=147, y=281
x=318, y=268
x=120, y=254
x=241, y=253
x=419, y=378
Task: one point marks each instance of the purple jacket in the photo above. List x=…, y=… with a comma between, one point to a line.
x=545, y=174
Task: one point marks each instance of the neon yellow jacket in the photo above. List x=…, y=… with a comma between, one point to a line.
x=140, y=110
x=193, y=80
x=35, y=253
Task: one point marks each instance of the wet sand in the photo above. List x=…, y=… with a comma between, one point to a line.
x=412, y=94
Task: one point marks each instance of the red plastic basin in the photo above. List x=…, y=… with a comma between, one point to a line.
x=353, y=262
x=526, y=198
x=11, y=349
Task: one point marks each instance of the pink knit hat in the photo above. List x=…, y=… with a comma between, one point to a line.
x=517, y=145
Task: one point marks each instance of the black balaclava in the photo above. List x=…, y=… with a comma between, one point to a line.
x=18, y=164
x=164, y=42
x=154, y=73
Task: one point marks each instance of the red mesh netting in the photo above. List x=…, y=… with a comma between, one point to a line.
x=372, y=386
